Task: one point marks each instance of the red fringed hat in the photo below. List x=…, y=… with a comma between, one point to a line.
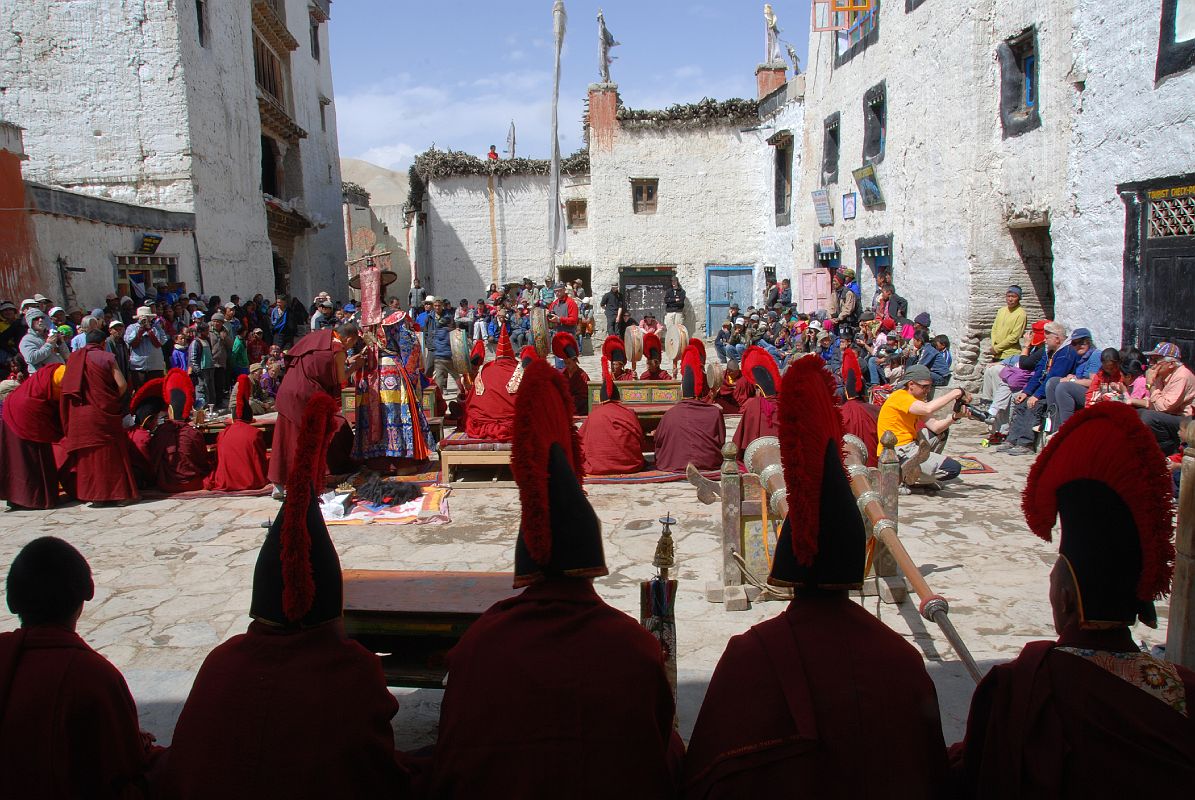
x=692, y=375
x=700, y=345
x=1105, y=477
x=504, y=348
x=614, y=349
x=609, y=390
x=852, y=374
x=559, y=533
x=652, y=348
x=564, y=345
x=149, y=401
x=759, y=368
x=823, y=541
x=178, y=392
x=297, y=581
x=527, y=355
x=477, y=356
x=244, y=409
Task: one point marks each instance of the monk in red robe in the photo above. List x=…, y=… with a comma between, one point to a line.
x=67, y=720
x=31, y=426
x=553, y=693
x=291, y=708
x=93, y=422
x=177, y=449
x=612, y=439
x=316, y=363
x=759, y=410
x=793, y=702
x=1090, y=715
x=565, y=347
x=693, y=431
x=147, y=406
x=240, y=449
x=491, y=409
x=732, y=391
x=653, y=351
x=859, y=418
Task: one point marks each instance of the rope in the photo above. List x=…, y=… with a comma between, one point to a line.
x=764, y=588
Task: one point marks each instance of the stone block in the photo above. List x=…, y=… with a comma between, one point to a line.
x=713, y=591
x=735, y=598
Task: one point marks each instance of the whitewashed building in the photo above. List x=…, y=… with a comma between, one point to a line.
x=703, y=192
x=219, y=110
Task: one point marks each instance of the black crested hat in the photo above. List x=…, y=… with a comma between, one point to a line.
x=760, y=369
x=148, y=402
x=47, y=581
x=297, y=581
x=178, y=392
x=1104, y=476
x=609, y=390
x=559, y=533
x=823, y=542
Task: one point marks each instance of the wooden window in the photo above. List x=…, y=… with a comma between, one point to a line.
x=1176, y=38
x=875, y=124
x=147, y=271
x=830, y=150
x=578, y=213
x=643, y=195
x=860, y=25
x=267, y=70
x=201, y=21
x=315, y=51
x=1019, y=89
x=783, y=144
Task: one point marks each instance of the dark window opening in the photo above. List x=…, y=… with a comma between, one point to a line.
x=315, y=40
x=830, y=143
x=911, y=5
x=1036, y=249
x=201, y=21
x=269, y=168
x=323, y=116
x=643, y=195
x=783, y=143
x=577, y=213
x=875, y=124
x=1176, y=40
x=1020, y=92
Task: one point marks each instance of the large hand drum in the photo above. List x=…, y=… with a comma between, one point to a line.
x=675, y=342
x=539, y=332
x=632, y=341
x=459, y=340
x=714, y=371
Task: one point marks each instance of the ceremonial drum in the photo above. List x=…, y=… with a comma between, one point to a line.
x=675, y=342
x=539, y=331
x=459, y=340
x=632, y=340
x=713, y=374
x=425, y=353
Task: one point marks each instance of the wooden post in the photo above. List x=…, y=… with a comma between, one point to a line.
x=1180, y=635
x=882, y=561
x=732, y=524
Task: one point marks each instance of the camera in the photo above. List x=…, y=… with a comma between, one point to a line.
x=974, y=410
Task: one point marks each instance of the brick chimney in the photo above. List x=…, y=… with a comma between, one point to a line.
x=603, y=114
x=19, y=274
x=769, y=78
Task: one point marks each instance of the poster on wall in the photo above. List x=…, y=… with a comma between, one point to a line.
x=869, y=186
x=827, y=245
x=848, y=205
x=821, y=207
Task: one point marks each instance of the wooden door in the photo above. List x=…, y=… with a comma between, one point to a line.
x=813, y=290
x=724, y=286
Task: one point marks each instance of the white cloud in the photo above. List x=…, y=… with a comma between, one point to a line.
x=686, y=72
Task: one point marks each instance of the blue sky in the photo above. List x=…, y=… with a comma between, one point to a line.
x=407, y=75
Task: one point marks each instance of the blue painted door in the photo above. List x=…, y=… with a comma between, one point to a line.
x=723, y=286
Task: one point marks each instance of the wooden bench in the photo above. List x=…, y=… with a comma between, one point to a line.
x=412, y=619
x=458, y=450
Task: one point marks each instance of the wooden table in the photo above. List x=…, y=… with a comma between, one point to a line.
x=412, y=619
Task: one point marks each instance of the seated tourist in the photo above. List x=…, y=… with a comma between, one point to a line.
x=290, y=708
x=177, y=450
x=792, y=704
x=147, y=405
x=1066, y=393
x=565, y=347
x=759, y=409
x=1171, y=395
x=692, y=431
x=612, y=439
x=615, y=351
x=241, y=462
x=491, y=410
x=1091, y=714
x=553, y=693
x=67, y=720
x=859, y=417
x=908, y=410
x=1029, y=404
x=32, y=424
x=653, y=351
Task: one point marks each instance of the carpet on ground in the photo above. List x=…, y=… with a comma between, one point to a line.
x=972, y=465
x=430, y=508
x=646, y=476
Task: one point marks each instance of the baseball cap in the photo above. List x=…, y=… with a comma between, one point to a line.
x=197, y=315
x=28, y=301
x=5, y=306
x=918, y=373
x=217, y=317
x=115, y=323
x=95, y=312
x=349, y=308
x=740, y=321
x=57, y=310
x=1039, y=333
x=755, y=316
x=324, y=302
x=1080, y=333
x=1166, y=350
x=815, y=325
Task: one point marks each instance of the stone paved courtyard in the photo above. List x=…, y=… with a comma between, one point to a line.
x=173, y=577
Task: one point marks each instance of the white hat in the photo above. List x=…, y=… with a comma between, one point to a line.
x=41, y=298
x=815, y=325
x=198, y=315
x=57, y=309
x=740, y=321
x=115, y=322
x=430, y=299
x=28, y=301
x=125, y=299
x=587, y=301
x=144, y=311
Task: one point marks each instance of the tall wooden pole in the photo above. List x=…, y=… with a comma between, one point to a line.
x=1180, y=635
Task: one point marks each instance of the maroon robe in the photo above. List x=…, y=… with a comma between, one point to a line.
x=93, y=422
x=490, y=413
x=624, y=374
x=731, y=396
x=578, y=387
x=657, y=375
x=310, y=368
x=285, y=713
x=179, y=456
x=691, y=432
x=73, y=717
x=795, y=702
x=612, y=440
x=859, y=419
x=1052, y=724
x=31, y=425
x=240, y=459
x=139, y=459
x=553, y=693
x=759, y=419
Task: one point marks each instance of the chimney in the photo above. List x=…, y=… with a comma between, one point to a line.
x=769, y=78
x=603, y=114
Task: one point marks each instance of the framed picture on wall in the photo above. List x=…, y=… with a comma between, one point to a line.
x=849, y=201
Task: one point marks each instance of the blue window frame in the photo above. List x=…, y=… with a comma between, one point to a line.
x=1028, y=69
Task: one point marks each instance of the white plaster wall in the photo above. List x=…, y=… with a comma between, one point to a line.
x=366, y=217
x=712, y=208
x=94, y=246
x=1129, y=130
x=225, y=132
x=779, y=241
x=98, y=87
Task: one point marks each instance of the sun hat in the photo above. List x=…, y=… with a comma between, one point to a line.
x=1167, y=350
